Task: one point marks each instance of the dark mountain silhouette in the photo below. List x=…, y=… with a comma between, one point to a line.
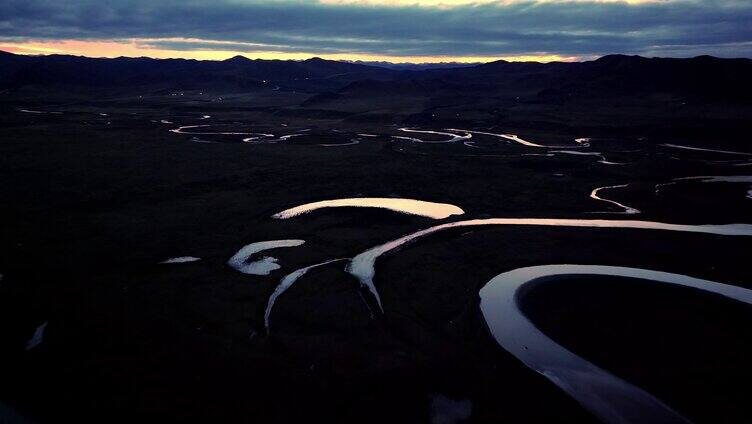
x=609, y=76
x=620, y=88
x=237, y=72
x=612, y=75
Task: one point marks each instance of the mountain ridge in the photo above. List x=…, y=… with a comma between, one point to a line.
x=333, y=83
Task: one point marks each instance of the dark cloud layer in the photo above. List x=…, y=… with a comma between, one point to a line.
x=677, y=27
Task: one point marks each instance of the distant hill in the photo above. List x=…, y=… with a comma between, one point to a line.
x=237, y=72
x=613, y=75
x=616, y=87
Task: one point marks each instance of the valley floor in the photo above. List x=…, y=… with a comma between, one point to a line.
x=97, y=328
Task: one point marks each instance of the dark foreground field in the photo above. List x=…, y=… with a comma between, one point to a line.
x=96, y=196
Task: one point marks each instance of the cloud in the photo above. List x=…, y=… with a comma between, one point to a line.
x=570, y=28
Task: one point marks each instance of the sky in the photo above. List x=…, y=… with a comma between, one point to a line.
x=415, y=31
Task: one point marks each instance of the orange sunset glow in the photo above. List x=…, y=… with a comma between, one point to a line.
x=142, y=48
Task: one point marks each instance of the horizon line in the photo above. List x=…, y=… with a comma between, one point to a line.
x=375, y=62
x=219, y=56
